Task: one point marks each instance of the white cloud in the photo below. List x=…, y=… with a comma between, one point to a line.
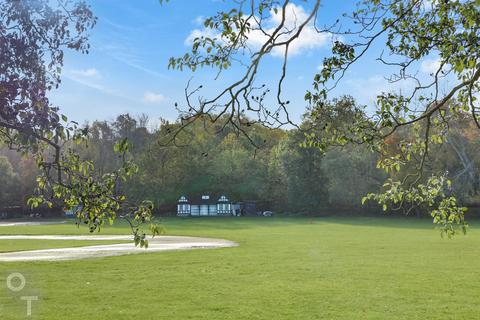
x=430, y=66
x=309, y=38
x=87, y=82
x=90, y=72
x=88, y=77
x=295, y=15
x=199, y=20
x=152, y=97
x=123, y=54
x=198, y=33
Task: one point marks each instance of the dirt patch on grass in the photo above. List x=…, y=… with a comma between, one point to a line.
x=161, y=243
x=28, y=223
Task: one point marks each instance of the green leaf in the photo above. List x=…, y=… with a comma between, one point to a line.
x=364, y=199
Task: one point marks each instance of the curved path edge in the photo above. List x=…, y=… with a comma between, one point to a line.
x=159, y=243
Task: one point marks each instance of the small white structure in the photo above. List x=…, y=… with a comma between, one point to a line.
x=183, y=207
x=224, y=206
x=204, y=206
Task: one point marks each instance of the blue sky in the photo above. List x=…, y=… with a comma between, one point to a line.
x=126, y=69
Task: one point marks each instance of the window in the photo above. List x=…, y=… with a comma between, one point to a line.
x=223, y=207
x=183, y=208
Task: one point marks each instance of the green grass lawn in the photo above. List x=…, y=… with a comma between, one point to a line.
x=325, y=268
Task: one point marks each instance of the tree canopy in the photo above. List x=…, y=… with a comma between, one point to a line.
x=410, y=30
x=34, y=35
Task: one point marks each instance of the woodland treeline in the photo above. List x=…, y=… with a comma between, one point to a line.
x=275, y=167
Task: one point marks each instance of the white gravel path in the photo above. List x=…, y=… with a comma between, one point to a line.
x=28, y=223
x=159, y=243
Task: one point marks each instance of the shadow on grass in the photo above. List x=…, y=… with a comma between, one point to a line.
x=386, y=221
x=182, y=226
x=226, y=223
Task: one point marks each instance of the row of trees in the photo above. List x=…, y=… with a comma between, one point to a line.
x=272, y=166
x=275, y=166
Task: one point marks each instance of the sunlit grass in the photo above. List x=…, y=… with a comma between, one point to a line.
x=325, y=268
